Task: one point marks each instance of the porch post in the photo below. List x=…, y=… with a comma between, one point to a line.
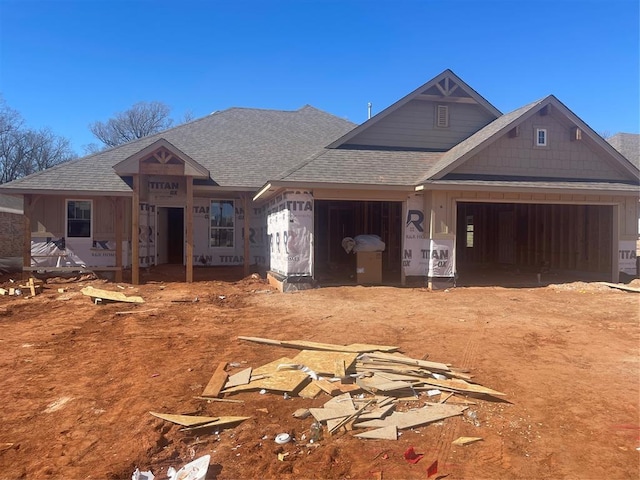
x=135, y=220
x=118, y=218
x=189, y=220
x=26, y=244
x=247, y=253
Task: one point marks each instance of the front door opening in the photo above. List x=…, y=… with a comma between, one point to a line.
x=170, y=235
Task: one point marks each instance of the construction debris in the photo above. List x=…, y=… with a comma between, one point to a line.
x=466, y=440
x=98, y=294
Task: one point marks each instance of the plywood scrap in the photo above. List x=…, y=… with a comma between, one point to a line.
x=327, y=387
x=401, y=359
x=379, y=384
x=110, y=296
x=351, y=418
x=304, y=344
x=323, y=362
x=415, y=418
x=466, y=440
x=460, y=385
x=242, y=377
x=310, y=391
x=185, y=420
x=378, y=412
x=7, y=445
x=384, y=433
x=216, y=382
x=220, y=422
x=273, y=380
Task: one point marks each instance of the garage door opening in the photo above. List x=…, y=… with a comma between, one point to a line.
x=335, y=220
x=499, y=243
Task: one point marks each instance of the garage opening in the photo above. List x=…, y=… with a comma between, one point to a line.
x=498, y=242
x=335, y=220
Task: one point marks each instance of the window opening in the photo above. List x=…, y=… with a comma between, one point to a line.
x=79, y=218
x=222, y=214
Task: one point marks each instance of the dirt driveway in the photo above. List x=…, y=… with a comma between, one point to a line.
x=78, y=380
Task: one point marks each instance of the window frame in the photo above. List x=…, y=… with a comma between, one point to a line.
x=66, y=217
x=212, y=227
x=537, y=132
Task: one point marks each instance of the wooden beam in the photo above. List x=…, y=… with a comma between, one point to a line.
x=168, y=169
x=119, y=218
x=135, y=234
x=26, y=244
x=247, y=236
x=189, y=220
x=438, y=98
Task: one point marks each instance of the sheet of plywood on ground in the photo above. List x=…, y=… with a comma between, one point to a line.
x=242, y=377
x=304, y=344
x=221, y=422
x=281, y=381
x=216, y=382
x=378, y=412
x=323, y=362
x=384, y=433
x=185, y=420
x=108, y=295
x=414, y=418
x=332, y=411
x=401, y=359
x=376, y=384
x=327, y=387
x=351, y=418
x=462, y=386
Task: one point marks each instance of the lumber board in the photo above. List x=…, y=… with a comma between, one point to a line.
x=305, y=344
x=401, y=359
x=216, y=382
x=350, y=418
x=384, y=433
x=221, y=422
x=327, y=387
x=111, y=296
x=184, y=420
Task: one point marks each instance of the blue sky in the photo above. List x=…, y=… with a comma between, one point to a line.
x=65, y=64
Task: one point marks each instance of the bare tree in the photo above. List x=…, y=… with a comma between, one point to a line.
x=24, y=151
x=144, y=118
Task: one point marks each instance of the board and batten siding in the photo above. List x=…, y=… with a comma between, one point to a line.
x=414, y=126
x=562, y=158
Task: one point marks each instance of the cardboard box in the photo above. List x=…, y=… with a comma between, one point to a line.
x=369, y=267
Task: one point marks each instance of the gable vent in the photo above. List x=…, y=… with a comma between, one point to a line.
x=442, y=116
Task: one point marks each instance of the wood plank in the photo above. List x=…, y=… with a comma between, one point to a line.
x=384, y=433
x=327, y=387
x=111, y=296
x=135, y=233
x=462, y=386
x=221, y=422
x=350, y=418
x=185, y=420
x=401, y=359
x=216, y=382
x=304, y=344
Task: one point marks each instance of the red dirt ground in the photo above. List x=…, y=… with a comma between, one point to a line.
x=78, y=380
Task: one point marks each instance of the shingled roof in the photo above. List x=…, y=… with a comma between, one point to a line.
x=240, y=147
x=628, y=144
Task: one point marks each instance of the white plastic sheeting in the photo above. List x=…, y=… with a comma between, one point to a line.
x=50, y=252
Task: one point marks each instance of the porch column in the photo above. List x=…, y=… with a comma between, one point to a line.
x=189, y=220
x=26, y=244
x=247, y=253
x=119, y=217
x=135, y=224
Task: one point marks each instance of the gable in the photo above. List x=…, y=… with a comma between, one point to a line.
x=434, y=117
x=567, y=155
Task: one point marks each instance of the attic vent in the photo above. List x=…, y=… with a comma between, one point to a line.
x=442, y=116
